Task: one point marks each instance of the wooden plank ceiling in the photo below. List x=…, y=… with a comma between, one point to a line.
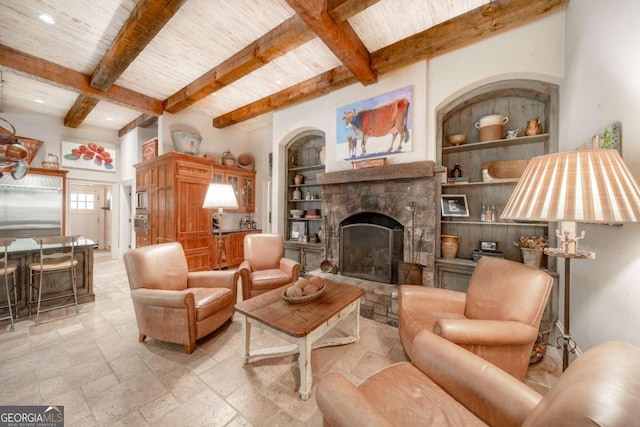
x=121, y=63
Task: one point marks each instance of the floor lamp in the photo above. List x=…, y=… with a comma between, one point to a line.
x=591, y=186
x=220, y=196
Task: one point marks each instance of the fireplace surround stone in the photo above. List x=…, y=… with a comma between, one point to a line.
x=388, y=190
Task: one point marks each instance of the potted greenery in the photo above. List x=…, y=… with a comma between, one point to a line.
x=532, y=248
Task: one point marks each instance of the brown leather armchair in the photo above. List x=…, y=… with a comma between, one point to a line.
x=446, y=385
x=264, y=266
x=173, y=304
x=497, y=318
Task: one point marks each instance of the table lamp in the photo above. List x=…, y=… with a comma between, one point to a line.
x=220, y=196
x=591, y=186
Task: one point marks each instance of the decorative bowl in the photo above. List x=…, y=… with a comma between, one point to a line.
x=296, y=213
x=457, y=139
x=304, y=298
x=186, y=142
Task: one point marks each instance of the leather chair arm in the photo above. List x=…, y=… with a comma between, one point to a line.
x=342, y=404
x=466, y=377
x=291, y=267
x=445, y=299
x=245, y=270
x=485, y=332
x=163, y=298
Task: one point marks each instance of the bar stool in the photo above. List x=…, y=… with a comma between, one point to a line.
x=57, y=261
x=7, y=269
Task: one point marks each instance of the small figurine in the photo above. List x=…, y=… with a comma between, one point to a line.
x=534, y=127
x=512, y=134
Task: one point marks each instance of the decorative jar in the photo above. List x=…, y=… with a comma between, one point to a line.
x=449, y=245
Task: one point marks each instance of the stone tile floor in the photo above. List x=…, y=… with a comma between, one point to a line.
x=93, y=364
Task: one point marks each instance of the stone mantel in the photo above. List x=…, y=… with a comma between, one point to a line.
x=422, y=169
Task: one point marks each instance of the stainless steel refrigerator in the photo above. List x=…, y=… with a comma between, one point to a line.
x=31, y=206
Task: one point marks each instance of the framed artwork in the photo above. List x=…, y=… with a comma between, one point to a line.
x=609, y=137
x=298, y=229
x=454, y=205
x=375, y=127
x=90, y=155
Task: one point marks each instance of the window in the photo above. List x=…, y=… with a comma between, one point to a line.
x=82, y=201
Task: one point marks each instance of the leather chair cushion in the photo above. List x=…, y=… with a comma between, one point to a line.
x=210, y=301
x=269, y=279
x=393, y=388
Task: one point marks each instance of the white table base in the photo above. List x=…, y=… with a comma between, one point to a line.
x=301, y=345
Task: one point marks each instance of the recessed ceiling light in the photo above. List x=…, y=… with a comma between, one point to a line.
x=46, y=18
x=279, y=82
x=108, y=119
x=39, y=101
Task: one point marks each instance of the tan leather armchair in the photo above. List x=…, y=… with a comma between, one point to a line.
x=497, y=318
x=173, y=304
x=264, y=266
x=446, y=385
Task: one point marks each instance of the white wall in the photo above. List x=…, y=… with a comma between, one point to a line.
x=533, y=51
x=602, y=86
x=520, y=53
x=51, y=130
x=321, y=114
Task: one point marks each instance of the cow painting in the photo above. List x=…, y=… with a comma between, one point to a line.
x=380, y=121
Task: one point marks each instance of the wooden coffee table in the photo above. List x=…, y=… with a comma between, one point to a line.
x=302, y=324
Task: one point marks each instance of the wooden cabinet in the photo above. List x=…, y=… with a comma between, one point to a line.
x=176, y=184
x=309, y=255
x=305, y=157
x=232, y=249
x=520, y=101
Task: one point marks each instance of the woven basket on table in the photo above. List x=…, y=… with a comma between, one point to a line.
x=246, y=161
x=304, y=298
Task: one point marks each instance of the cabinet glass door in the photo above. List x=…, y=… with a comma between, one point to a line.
x=247, y=192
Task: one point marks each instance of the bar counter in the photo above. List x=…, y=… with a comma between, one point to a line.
x=25, y=251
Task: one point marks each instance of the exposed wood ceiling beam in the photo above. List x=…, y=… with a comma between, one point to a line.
x=463, y=30
x=340, y=38
x=312, y=88
x=143, y=121
x=280, y=40
x=79, y=111
x=69, y=79
x=450, y=35
x=145, y=21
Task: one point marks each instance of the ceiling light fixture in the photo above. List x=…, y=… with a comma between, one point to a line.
x=108, y=119
x=46, y=18
x=39, y=101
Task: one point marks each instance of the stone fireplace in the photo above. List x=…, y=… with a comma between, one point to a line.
x=381, y=197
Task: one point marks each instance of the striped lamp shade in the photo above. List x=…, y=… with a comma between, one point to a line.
x=582, y=186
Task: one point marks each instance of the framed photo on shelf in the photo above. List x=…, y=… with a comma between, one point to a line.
x=298, y=230
x=454, y=205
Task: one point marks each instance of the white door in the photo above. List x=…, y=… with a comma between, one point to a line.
x=84, y=212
